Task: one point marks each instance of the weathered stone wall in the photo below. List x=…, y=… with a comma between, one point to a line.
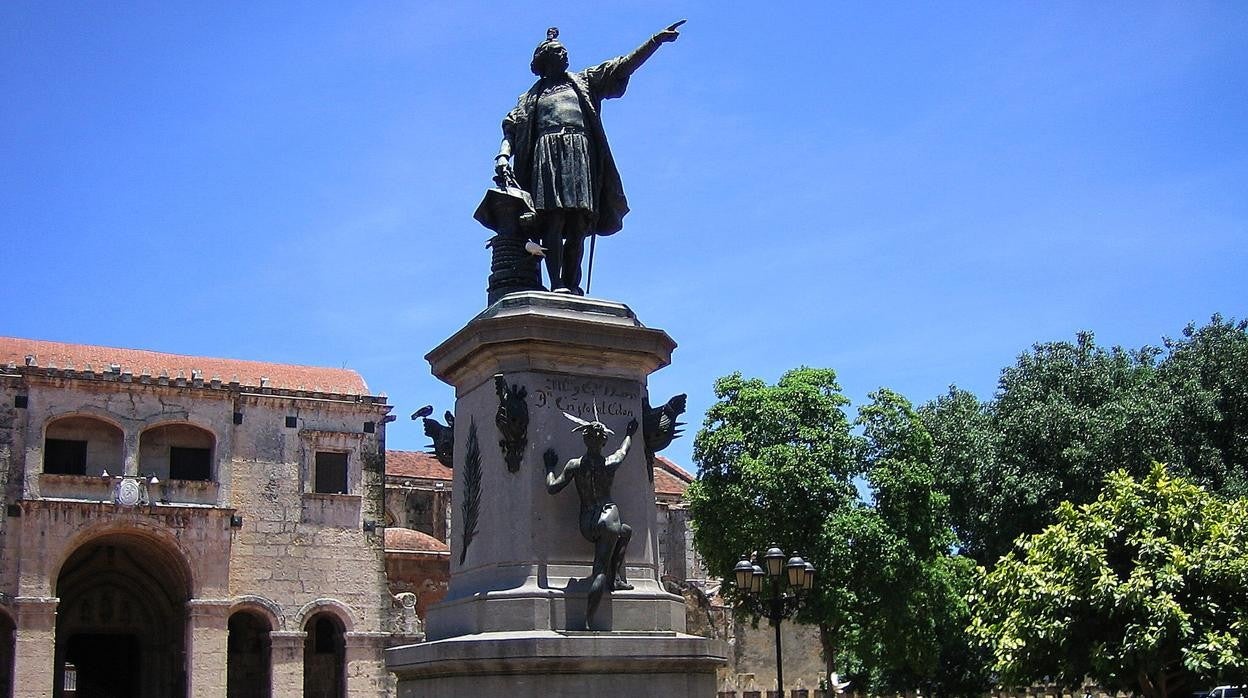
x=11, y=445
x=753, y=656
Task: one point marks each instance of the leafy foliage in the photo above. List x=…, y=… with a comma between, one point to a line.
x=912, y=588
x=1206, y=372
x=1065, y=413
x=964, y=455
x=1146, y=587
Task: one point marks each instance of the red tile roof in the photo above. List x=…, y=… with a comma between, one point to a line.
x=415, y=464
x=412, y=541
x=137, y=361
x=670, y=478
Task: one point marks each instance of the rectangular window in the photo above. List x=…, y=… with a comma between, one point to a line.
x=65, y=457
x=331, y=472
x=190, y=463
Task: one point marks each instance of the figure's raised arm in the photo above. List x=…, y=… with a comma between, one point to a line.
x=634, y=60
x=556, y=481
x=619, y=456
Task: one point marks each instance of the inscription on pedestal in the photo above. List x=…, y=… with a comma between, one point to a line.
x=577, y=396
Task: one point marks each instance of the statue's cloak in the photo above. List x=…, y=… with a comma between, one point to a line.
x=592, y=85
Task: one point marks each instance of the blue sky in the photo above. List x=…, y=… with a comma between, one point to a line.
x=909, y=193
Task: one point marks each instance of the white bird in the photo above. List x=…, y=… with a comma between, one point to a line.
x=534, y=249
x=837, y=685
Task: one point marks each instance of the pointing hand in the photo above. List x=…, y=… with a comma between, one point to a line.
x=670, y=34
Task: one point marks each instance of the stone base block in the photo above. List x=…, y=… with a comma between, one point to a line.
x=532, y=607
x=554, y=664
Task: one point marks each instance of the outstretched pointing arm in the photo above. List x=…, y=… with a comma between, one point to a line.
x=634, y=60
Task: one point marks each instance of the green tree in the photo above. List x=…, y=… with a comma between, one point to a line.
x=912, y=585
x=964, y=454
x=1206, y=372
x=1060, y=416
x=1146, y=588
x=776, y=465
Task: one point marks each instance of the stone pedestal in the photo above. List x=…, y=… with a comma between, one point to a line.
x=537, y=663
x=515, y=607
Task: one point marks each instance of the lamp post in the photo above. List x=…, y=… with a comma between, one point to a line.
x=787, y=582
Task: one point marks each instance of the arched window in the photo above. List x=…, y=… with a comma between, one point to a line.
x=177, y=452
x=81, y=445
x=324, y=658
x=248, y=665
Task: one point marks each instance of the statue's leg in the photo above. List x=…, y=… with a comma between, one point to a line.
x=617, y=557
x=575, y=227
x=601, y=574
x=550, y=225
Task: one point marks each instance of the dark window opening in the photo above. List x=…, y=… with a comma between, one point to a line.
x=248, y=658
x=190, y=463
x=292, y=422
x=8, y=645
x=324, y=660
x=107, y=664
x=65, y=457
x=331, y=472
x=19, y=401
x=324, y=642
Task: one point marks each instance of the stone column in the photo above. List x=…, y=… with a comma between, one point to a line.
x=286, y=655
x=207, y=636
x=365, y=667
x=34, y=652
x=129, y=454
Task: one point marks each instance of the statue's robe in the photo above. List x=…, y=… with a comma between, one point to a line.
x=606, y=81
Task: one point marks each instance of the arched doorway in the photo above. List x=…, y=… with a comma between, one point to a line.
x=324, y=658
x=247, y=668
x=121, y=619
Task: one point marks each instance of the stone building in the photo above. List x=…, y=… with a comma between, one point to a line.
x=178, y=525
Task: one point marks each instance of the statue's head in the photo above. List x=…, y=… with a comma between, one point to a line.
x=594, y=433
x=550, y=57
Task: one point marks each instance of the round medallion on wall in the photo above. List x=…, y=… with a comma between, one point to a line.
x=128, y=492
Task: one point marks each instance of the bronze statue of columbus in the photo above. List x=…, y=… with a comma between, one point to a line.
x=555, y=148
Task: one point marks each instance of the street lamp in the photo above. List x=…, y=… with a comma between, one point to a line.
x=789, y=582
